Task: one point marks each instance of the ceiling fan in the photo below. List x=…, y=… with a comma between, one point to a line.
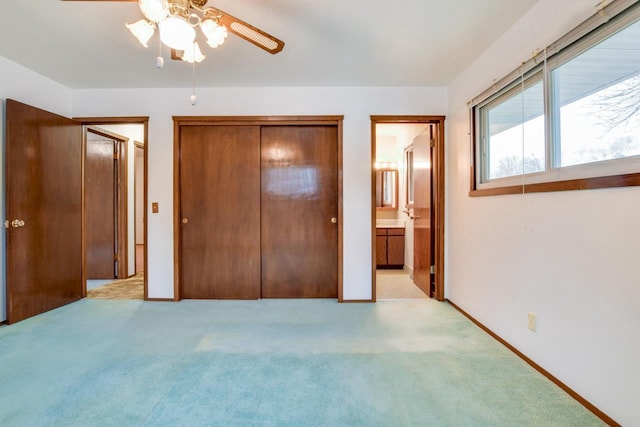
x=177, y=21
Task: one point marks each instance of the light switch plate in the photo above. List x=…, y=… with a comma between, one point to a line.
x=532, y=321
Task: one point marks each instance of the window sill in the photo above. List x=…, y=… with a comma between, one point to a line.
x=626, y=180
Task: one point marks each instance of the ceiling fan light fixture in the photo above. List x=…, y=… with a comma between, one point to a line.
x=193, y=54
x=154, y=10
x=177, y=33
x=142, y=30
x=215, y=33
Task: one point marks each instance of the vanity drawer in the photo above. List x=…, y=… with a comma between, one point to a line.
x=395, y=232
x=381, y=231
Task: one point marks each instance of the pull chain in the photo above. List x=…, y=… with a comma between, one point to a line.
x=159, y=59
x=194, y=99
x=522, y=112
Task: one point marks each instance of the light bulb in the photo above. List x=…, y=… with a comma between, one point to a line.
x=194, y=99
x=193, y=54
x=214, y=32
x=177, y=33
x=154, y=10
x=160, y=62
x=142, y=30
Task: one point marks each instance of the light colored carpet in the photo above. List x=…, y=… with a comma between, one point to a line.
x=131, y=288
x=268, y=363
x=396, y=284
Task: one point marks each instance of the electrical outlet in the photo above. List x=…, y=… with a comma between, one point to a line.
x=532, y=321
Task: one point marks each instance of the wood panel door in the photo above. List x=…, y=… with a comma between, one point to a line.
x=422, y=239
x=44, y=210
x=299, y=210
x=220, y=212
x=381, y=247
x=395, y=248
x=100, y=209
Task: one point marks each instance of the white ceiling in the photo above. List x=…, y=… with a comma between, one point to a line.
x=327, y=43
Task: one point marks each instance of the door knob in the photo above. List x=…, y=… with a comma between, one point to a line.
x=17, y=223
x=334, y=220
x=185, y=220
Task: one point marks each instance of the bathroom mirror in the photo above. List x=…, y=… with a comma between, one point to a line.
x=408, y=177
x=387, y=189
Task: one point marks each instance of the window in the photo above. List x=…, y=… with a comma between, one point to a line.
x=514, y=132
x=598, y=94
x=570, y=117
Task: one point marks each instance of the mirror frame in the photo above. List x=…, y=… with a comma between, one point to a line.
x=408, y=176
x=380, y=189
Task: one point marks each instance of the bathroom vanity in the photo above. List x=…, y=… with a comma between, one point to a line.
x=390, y=246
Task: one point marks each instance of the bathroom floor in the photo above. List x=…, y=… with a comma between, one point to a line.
x=396, y=284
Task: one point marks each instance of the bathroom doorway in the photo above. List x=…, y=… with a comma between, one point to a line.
x=407, y=202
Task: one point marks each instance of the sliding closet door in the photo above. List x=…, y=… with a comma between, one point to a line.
x=299, y=210
x=220, y=211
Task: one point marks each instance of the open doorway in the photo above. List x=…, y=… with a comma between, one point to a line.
x=105, y=205
x=129, y=184
x=407, y=207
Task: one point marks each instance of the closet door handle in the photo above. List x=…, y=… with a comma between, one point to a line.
x=185, y=220
x=334, y=220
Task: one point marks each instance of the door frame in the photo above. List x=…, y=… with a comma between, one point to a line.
x=139, y=145
x=128, y=120
x=179, y=121
x=438, y=196
x=120, y=198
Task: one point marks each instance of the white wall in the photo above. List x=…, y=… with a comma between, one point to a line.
x=569, y=257
x=23, y=85
x=356, y=104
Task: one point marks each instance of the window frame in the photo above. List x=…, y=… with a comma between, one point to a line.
x=600, y=174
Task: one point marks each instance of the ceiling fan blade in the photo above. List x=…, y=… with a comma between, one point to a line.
x=250, y=33
x=176, y=54
x=237, y=26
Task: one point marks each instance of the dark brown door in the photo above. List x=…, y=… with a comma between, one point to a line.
x=220, y=211
x=299, y=210
x=101, y=208
x=44, y=210
x=395, y=247
x=422, y=210
x=381, y=247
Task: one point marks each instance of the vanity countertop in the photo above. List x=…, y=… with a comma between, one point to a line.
x=390, y=223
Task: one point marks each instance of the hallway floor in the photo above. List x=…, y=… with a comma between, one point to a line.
x=396, y=284
x=129, y=288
